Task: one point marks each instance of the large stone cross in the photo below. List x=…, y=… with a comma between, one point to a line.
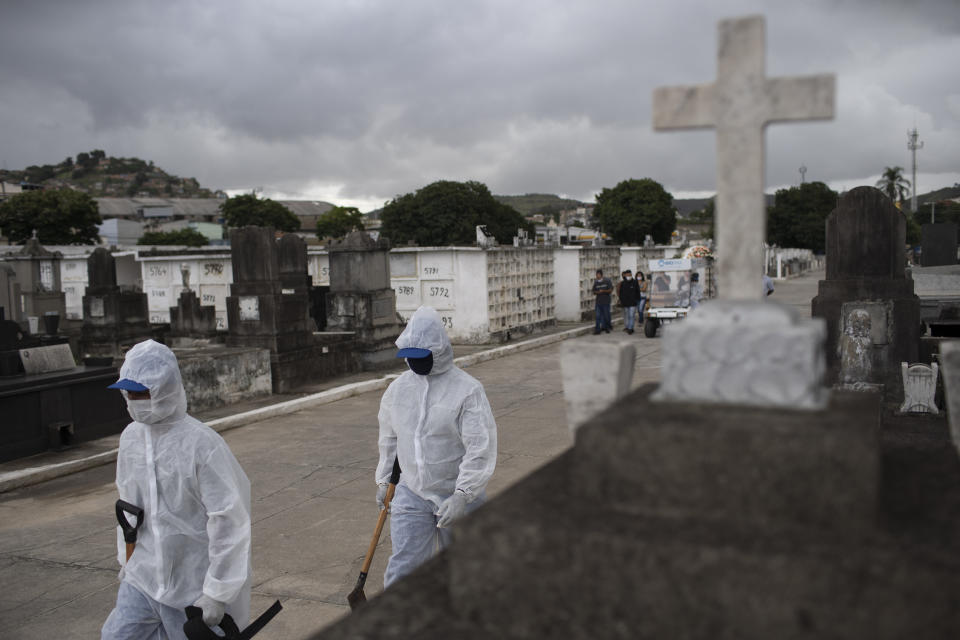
x=740, y=104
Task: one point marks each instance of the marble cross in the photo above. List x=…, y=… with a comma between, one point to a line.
x=739, y=105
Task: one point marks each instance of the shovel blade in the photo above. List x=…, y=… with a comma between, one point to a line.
x=356, y=598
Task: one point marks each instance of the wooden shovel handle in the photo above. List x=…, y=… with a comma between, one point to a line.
x=130, y=547
x=376, y=532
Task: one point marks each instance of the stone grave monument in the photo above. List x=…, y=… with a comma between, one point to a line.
x=262, y=312
x=361, y=299
x=113, y=319
x=737, y=348
x=867, y=293
x=938, y=244
x=191, y=323
x=41, y=294
x=744, y=512
x=9, y=293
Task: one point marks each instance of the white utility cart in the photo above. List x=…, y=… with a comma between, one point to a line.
x=674, y=287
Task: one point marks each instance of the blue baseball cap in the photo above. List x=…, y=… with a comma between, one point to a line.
x=128, y=385
x=413, y=352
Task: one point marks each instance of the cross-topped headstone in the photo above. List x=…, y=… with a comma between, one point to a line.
x=739, y=105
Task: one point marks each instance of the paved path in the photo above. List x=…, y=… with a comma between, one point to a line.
x=313, y=501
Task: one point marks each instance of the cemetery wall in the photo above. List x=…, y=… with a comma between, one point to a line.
x=520, y=291
x=452, y=280
x=575, y=268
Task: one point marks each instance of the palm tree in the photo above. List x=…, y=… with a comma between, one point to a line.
x=893, y=183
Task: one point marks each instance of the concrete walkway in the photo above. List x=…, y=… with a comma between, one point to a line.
x=311, y=472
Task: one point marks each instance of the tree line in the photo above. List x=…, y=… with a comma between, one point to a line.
x=448, y=212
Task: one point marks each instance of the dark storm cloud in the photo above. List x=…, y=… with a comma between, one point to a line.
x=367, y=100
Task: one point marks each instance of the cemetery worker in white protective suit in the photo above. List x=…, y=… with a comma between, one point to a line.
x=193, y=547
x=435, y=419
x=767, y=284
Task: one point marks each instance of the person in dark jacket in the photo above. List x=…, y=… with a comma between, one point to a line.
x=629, y=294
x=602, y=288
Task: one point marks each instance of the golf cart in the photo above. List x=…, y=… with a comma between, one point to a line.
x=674, y=287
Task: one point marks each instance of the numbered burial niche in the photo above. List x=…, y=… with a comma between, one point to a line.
x=438, y=294
x=210, y=277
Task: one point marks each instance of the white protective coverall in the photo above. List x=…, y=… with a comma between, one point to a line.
x=442, y=429
x=195, y=537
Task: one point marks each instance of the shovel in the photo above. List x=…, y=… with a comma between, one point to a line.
x=129, y=530
x=357, y=596
x=195, y=629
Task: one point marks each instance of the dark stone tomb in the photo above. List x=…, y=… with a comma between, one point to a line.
x=113, y=319
x=57, y=404
x=872, y=313
x=361, y=298
x=268, y=308
x=938, y=244
x=54, y=410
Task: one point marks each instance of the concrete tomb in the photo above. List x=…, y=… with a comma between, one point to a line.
x=361, y=298
x=950, y=359
x=938, y=244
x=865, y=273
x=37, y=271
x=9, y=293
x=191, y=323
x=739, y=349
x=114, y=319
x=268, y=308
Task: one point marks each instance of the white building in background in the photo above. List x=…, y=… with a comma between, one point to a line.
x=119, y=231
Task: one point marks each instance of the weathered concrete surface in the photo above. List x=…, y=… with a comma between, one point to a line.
x=314, y=509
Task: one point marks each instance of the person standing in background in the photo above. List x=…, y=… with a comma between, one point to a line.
x=628, y=292
x=602, y=288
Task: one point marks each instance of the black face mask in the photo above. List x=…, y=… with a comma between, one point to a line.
x=421, y=366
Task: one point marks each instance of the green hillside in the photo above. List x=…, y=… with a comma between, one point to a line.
x=102, y=176
x=533, y=203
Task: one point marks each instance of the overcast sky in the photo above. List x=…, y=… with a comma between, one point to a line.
x=355, y=102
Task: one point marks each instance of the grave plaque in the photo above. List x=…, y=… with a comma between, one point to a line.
x=96, y=307
x=56, y=357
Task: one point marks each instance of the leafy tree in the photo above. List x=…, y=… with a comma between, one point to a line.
x=187, y=237
x=338, y=222
x=893, y=183
x=798, y=216
x=60, y=217
x=84, y=161
x=249, y=210
x=635, y=208
x=447, y=213
x=38, y=174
